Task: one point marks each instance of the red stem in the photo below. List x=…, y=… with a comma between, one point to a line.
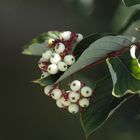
x=112, y=54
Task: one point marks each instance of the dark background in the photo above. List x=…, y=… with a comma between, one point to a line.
x=26, y=113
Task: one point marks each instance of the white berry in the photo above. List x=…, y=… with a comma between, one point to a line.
x=50, y=41
x=133, y=51
x=75, y=85
x=56, y=94
x=47, y=89
x=55, y=58
x=52, y=69
x=44, y=74
x=73, y=108
x=69, y=59
x=86, y=91
x=62, y=66
x=65, y=102
x=42, y=62
x=47, y=54
x=59, y=103
x=74, y=97
x=59, y=48
x=66, y=35
x=84, y=102
x=79, y=37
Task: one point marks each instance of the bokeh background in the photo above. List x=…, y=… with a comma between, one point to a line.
x=26, y=113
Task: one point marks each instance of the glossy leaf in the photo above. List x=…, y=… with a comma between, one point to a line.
x=123, y=80
x=99, y=79
x=102, y=106
x=130, y=63
x=97, y=51
x=89, y=76
x=86, y=42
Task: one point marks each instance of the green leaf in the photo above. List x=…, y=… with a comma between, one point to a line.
x=123, y=80
x=131, y=2
x=99, y=79
x=35, y=49
x=39, y=44
x=130, y=62
x=85, y=43
x=133, y=30
x=50, y=80
x=101, y=107
x=103, y=103
x=89, y=76
x=97, y=51
x=135, y=68
x=123, y=17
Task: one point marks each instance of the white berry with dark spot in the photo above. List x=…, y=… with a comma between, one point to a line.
x=59, y=103
x=74, y=97
x=47, y=54
x=62, y=66
x=73, y=108
x=79, y=37
x=84, y=102
x=42, y=62
x=59, y=48
x=66, y=35
x=44, y=75
x=55, y=58
x=65, y=102
x=86, y=91
x=69, y=59
x=47, y=90
x=75, y=85
x=56, y=94
x=52, y=69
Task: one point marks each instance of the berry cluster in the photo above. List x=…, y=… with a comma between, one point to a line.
x=59, y=55
x=77, y=98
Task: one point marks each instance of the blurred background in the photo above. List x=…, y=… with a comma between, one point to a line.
x=27, y=114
